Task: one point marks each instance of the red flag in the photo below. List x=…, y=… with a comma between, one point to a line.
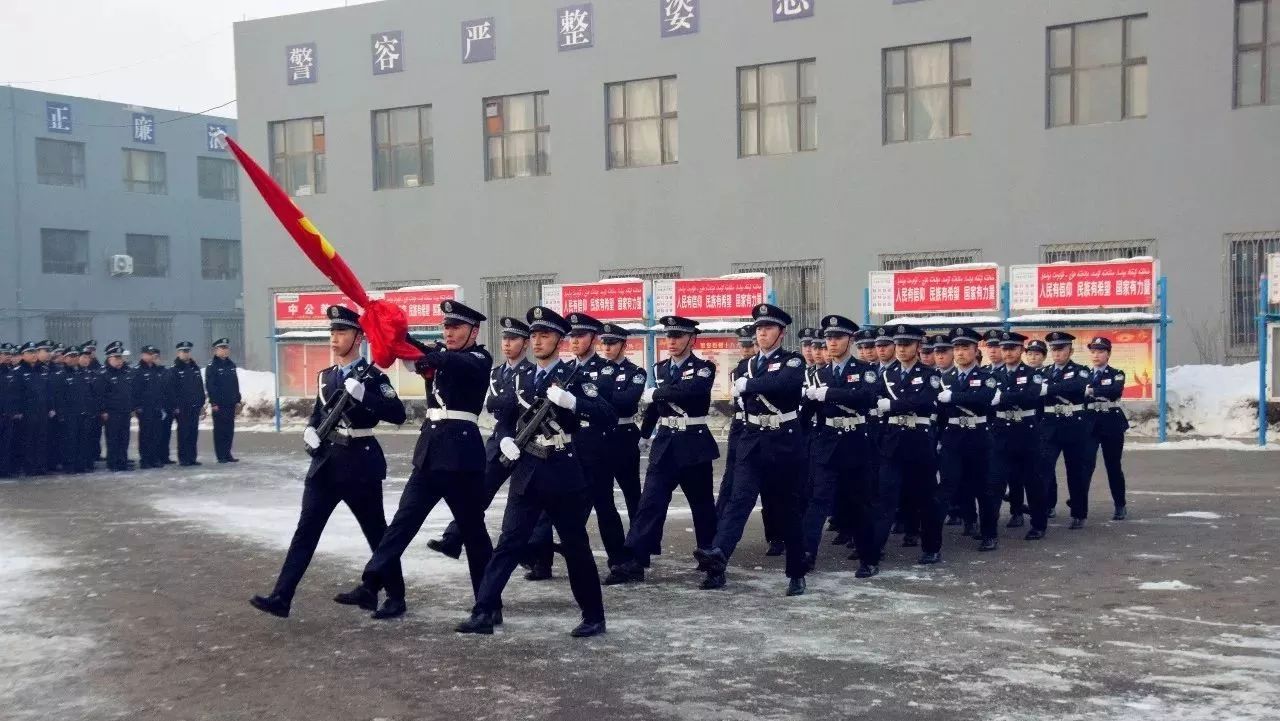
x=384, y=323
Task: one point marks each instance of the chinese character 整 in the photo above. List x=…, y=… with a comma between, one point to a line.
x=575, y=27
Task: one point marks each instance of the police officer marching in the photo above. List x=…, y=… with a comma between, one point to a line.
x=1106, y=387
x=501, y=400
x=223, y=386
x=964, y=405
x=116, y=407
x=1015, y=436
x=448, y=462
x=547, y=477
x=770, y=458
x=624, y=439
x=347, y=464
x=682, y=452
x=747, y=343
x=188, y=402
x=1068, y=427
x=36, y=408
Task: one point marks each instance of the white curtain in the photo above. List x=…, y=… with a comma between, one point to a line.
x=930, y=74
x=644, y=137
x=778, y=122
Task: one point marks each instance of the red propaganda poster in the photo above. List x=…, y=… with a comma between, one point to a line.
x=1125, y=283
x=961, y=288
x=1132, y=351
x=711, y=298
x=307, y=310
x=621, y=300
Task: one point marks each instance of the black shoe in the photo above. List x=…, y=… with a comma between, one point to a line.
x=184, y=464
x=358, y=596
x=897, y=527
x=841, y=539
x=776, y=548
x=195, y=463
x=497, y=617
x=970, y=530
x=853, y=556
x=927, y=559
x=480, y=622
x=831, y=525
x=587, y=629
x=629, y=572
x=953, y=520
x=539, y=572
x=711, y=562
x=391, y=608
x=272, y=604
x=232, y=460
x=989, y=544
x=1053, y=513
x=796, y=587
x=1076, y=524
x=1034, y=534
x=1016, y=520
x=223, y=460
x=713, y=581
x=867, y=570
x=1121, y=513
x=439, y=546
x=910, y=540
x=169, y=461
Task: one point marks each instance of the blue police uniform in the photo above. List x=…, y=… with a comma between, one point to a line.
x=770, y=458
x=223, y=387
x=1015, y=439
x=90, y=428
x=841, y=450
x=629, y=382
x=90, y=347
x=1106, y=387
x=76, y=406
x=117, y=407
x=36, y=406
x=188, y=403
x=908, y=456
x=548, y=477
x=1067, y=430
x=501, y=402
x=150, y=394
x=448, y=461
x=58, y=390
x=681, y=455
x=10, y=400
x=964, y=411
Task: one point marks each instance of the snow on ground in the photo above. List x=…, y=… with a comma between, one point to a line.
x=1207, y=515
x=1166, y=586
x=1202, y=444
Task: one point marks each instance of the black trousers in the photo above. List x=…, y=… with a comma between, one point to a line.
x=843, y=493
x=965, y=464
x=1015, y=462
x=117, y=430
x=624, y=465
x=568, y=512
x=150, y=429
x=659, y=485
x=90, y=440
x=1074, y=449
x=70, y=444
x=188, y=434
x=464, y=493
x=321, y=495
x=8, y=431
x=908, y=477
x=53, y=443
x=600, y=487
x=165, y=436
x=35, y=444
x=495, y=474
x=768, y=516
x=224, y=430
x=779, y=483
x=1112, y=445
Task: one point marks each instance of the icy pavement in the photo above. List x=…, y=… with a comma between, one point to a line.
x=1171, y=616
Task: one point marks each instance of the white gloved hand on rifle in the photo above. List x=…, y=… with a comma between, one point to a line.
x=311, y=438
x=816, y=393
x=995, y=400
x=355, y=389
x=509, y=449
x=740, y=385
x=647, y=396
x=883, y=405
x=944, y=396
x=562, y=398
x=645, y=443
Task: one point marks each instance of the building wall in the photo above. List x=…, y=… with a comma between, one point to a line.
x=108, y=213
x=1192, y=171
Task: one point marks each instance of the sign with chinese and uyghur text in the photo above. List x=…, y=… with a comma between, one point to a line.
x=307, y=310
x=1128, y=283
x=932, y=290
x=606, y=301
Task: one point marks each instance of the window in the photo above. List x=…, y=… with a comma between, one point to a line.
x=219, y=259
x=150, y=254
x=64, y=252
x=1096, y=252
x=1257, y=53
x=907, y=261
x=217, y=178
x=927, y=91
x=297, y=155
x=233, y=329
x=517, y=136
x=798, y=285
x=646, y=273
x=59, y=162
x=68, y=328
x=777, y=108
x=1246, y=261
x=144, y=172
x=1098, y=71
x=511, y=295
x=156, y=330
x=403, y=153
x=643, y=126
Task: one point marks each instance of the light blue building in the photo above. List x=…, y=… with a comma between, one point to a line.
x=116, y=223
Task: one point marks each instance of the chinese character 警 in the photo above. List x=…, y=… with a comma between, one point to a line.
x=301, y=59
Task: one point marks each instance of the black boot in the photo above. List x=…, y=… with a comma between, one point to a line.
x=867, y=570
x=629, y=572
x=910, y=540
x=1076, y=524
x=897, y=527
x=358, y=596
x=928, y=559
x=391, y=608
x=440, y=546
x=587, y=629
x=989, y=544
x=841, y=539
x=1015, y=521
x=711, y=562
x=713, y=581
x=776, y=548
x=1121, y=513
x=970, y=529
x=480, y=622
x=539, y=572
x=1034, y=534
x=953, y=520
x=272, y=604
x=796, y=587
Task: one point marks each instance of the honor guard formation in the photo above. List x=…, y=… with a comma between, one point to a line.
x=64, y=411
x=864, y=432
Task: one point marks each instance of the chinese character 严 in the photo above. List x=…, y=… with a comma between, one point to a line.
x=574, y=25
x=384, y=52
x=476, y=33
x=791, y=7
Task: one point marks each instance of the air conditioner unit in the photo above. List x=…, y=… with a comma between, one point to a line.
x=303, y=190
x=410, y=181
x=122, y=265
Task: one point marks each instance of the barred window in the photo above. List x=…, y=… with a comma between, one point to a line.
x=156, y=330
x=150, y=254
x=777, y=108
x=217, y=178
x=643, y=127
x=927, y=91
x=219, y=259
x=517, y=136
x=145, y=172
x=907, y=261
x=1257, y=53
x=403, y=149
x=1096, y=252
x=59, y=162
x=511, y=295
x=1245, y=262
x=1097, y=71
x=799, y=287
x=645, y=273
x=64, y=252
x=298, y=155
x=69, y=328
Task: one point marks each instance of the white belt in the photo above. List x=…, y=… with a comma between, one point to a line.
x=966, y=421
x=844, y=423
x=440, y=414
x=772, y=421
x=627, y=421
x=1064, y=409
x=1104, y=406
x=1015, y=416
x=559, y=440
x=874, y=413
x=681, y=423
x=354, y=432
x=909, y=421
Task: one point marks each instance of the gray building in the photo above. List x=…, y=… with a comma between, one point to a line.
x=116, y=223
x=503, y=144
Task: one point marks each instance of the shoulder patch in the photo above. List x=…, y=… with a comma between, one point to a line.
x=637, y=379
x=387, y=390
x=990, y=382
x=1119, y=375
x=934, y=381
x=1037, y=378
x=590, y=390
x=478, y=354
x=704, y=373
x=869, y=377
x=794, y=363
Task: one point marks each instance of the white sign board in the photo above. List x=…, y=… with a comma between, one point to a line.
x=1273, y=277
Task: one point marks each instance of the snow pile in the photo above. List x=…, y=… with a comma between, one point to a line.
x=1212, y=400
x=256, y=387
x=1167, y=586
x=1205, y=515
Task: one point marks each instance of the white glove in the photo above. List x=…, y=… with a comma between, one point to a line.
x=883, y=405
x=945, y=396
x=740, y=385
x=645, y=443
x=509, y=449
x=1044, y=389
x=355, y=388
x=311, y=438
x=647, y=396
x=562, y=398
x=816, y=393
x=1088, y=391
x=995, y=400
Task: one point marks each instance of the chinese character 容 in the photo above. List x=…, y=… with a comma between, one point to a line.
x=385, y=52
